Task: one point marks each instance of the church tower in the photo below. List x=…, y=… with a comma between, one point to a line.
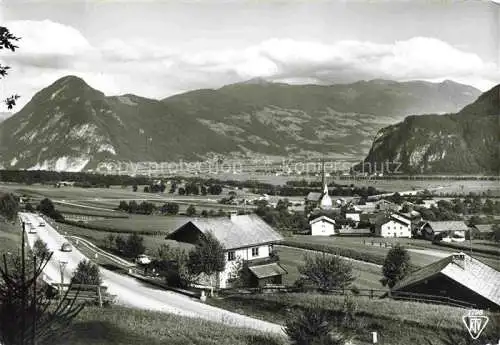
x=325, y=201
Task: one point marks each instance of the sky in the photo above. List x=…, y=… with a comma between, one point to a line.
x=160, y=48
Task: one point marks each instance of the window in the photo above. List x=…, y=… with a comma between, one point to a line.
x=231, y=256
x=255, y=251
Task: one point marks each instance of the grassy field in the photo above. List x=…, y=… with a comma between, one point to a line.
x=396, y=322
x=367, y=276
x=152, y=243
x=10, y=237
x=164, y=224
x=124, y=326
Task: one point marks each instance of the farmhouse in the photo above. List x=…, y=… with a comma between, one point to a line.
x=246, y=238
x=322, y=226
x=396, y=226
x=459, y=277
x=444, y=229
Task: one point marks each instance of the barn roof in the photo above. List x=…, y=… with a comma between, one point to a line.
x=465, y=270
x=452, y=225
x=235, y=232
x=484, y=228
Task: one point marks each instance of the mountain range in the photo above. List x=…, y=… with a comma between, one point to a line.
x=467, y=142
x=72, y=126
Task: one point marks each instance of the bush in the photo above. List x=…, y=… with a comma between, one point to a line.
x=396, y=265
x=312, y=327
x=40, y=249
x=327, y=272
x=87, y=273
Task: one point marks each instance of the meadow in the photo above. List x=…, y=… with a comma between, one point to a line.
x=367, y=276
x=396, y=322
x=125, y=326
x=10, y=237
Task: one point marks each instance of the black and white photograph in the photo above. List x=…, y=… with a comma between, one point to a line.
x=249, y=172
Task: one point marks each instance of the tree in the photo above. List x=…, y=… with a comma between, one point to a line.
x=109, y=241
x=204, y=213
x=86, y=273
x=120, y=244
x=132, y=206
x=182, y=191
x=47, y=208
x=208, y=257
x=326, y=271
x=135, y=187
x=191, y=210
x=7, y=40
x=9, y=205
x=396, y=266
x=134, y=246
x=170, y=208
x=204, y=190
x=29, y=208
x=313, y=326
x=40, y=249
x=215, y=189
x=123, y=206
x=28, y=314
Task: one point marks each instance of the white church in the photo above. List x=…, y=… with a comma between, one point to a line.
x=322, y=225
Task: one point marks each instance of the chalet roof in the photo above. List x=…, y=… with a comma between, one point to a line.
x=484, y=228
x=400, y=218
x=237, y=231
x=324, y=218
x=448, y=226
x=267, y=270
x=465, y=270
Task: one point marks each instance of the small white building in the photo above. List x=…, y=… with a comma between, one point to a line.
x=322, y=226
x=354, y=216
x=396, y=226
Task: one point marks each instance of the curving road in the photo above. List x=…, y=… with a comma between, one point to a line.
x=131, y=292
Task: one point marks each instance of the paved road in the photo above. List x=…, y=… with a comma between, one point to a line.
x=131, y=292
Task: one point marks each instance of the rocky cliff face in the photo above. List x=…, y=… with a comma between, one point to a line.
x=467, y=142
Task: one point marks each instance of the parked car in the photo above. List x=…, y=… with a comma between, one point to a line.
x=143, y=259
x=42, y=224
x=66, y=247
x=32, y=230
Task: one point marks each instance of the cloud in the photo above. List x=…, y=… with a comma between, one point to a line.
x=50, y=50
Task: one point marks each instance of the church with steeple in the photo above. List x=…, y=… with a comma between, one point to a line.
x=320, y=201
x=319, y=205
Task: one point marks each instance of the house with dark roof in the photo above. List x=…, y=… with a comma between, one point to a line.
x=459, y=277
x=246, y=238
x=453, y=230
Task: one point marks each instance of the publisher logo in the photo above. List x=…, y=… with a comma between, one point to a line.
x=475, y=321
